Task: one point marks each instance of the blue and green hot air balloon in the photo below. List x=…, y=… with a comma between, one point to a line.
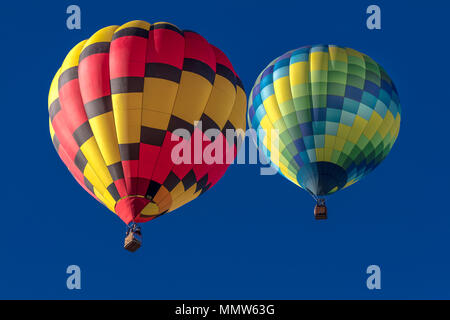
x=337, y=114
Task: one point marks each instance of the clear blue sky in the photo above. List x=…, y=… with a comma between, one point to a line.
x=251, y=236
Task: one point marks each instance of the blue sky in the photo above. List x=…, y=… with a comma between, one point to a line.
x=251, y=236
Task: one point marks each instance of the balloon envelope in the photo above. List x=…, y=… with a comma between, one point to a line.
x=115, y=106
x=336, y=113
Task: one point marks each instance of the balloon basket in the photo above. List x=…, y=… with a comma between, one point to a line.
x=320, y=211
x=133, y=239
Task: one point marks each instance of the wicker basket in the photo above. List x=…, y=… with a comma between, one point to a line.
x=132, y=242
x=320, y=212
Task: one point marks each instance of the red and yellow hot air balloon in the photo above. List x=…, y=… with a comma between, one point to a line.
x=116, y=102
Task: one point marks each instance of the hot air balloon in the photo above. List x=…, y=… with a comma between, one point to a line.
x=115, y=106
x=335, y=112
